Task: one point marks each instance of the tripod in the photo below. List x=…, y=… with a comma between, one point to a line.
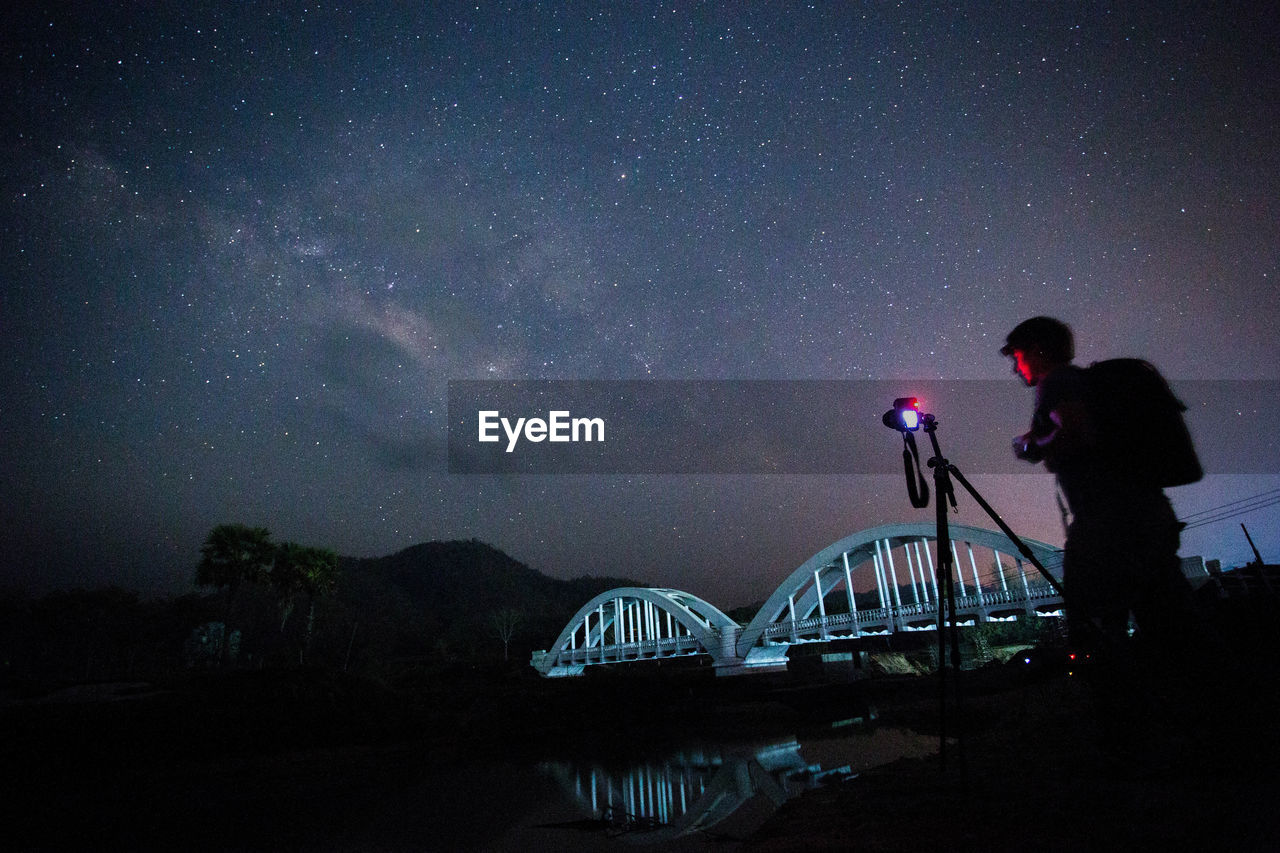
x=944, y=492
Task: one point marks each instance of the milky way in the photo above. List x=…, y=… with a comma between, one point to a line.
x=245, y=251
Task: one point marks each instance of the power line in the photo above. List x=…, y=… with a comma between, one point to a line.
x=1232, y=509
x=1231, y=503
x=1241, y=509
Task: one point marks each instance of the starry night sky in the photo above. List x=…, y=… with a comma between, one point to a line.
x=246, y=246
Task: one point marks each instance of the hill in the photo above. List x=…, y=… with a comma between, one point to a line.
x=440, y=600
x=459, y=576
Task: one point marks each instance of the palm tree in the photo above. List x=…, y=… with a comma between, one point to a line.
x=322, y=579
x=301, y=569
x=287, y=577
x=231, y=555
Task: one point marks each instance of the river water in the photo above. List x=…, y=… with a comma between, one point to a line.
x=700, y=795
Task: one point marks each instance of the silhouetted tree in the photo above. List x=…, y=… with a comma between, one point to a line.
x=504, y=623
x=287, y=578
x=232, y=555
x=302, y=570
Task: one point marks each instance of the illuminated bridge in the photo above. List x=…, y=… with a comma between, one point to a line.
x=876, y=582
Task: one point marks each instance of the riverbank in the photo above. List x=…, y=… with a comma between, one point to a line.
x=317, y=760
x=1030, y=773
x=313, y=760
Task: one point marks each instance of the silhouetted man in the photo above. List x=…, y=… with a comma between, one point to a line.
x=1121, y=552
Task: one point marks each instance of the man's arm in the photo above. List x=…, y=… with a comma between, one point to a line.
x=1065, y=432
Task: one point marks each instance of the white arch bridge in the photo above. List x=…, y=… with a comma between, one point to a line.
x=876, y=582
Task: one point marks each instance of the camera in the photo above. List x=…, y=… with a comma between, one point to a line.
x=904, y=416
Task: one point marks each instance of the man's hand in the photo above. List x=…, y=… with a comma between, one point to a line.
x=1025, y=447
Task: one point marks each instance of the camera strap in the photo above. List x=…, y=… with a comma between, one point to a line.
x=917, y=486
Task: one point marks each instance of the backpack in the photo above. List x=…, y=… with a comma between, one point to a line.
x=1139, y=422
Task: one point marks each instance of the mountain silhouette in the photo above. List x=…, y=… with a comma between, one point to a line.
x=441, y=598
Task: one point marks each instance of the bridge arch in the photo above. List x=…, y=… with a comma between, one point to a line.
x=645, y=623
x=801, y=597
x=639, y=623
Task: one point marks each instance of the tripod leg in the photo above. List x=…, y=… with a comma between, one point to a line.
x=955, y=665
x=943, y=540
x=1007, y=530
x=942, y=579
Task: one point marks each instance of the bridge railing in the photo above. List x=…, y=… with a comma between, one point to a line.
x=980, y=602
x=664, y=647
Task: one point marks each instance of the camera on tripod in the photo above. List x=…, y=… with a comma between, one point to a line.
x=906, y=418
x=905, y=415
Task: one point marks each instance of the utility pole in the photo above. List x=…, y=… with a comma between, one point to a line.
x=1256, y=554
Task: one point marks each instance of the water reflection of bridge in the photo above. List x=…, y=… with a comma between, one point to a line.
x=875, y=582
x=695, y=791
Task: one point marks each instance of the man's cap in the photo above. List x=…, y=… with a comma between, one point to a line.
x=1042, y=333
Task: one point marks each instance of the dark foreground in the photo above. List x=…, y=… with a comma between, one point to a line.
x=1030, y=774
x=309, y=760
